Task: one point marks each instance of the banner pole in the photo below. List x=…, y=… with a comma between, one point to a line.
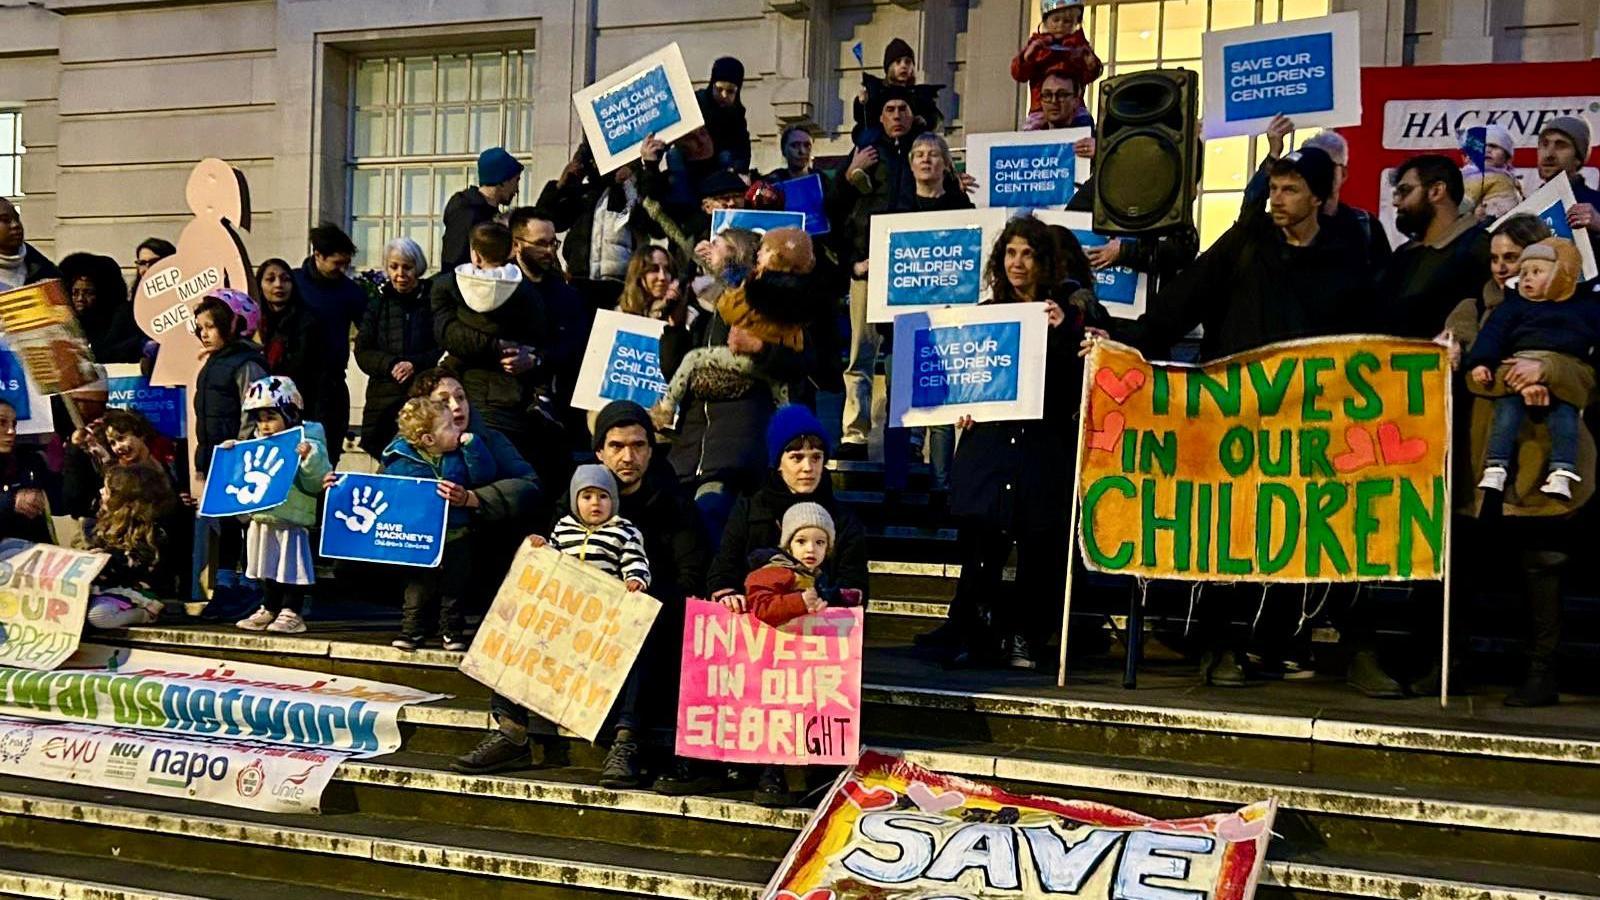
x=1090, y=365
x=1449, y=531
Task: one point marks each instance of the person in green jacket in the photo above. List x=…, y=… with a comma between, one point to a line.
x=278, y=540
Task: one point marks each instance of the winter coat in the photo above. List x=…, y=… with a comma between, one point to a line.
x=1569, y=326
x=756, y=523
x=615, y=547
x=568, y=320
x=729, y=127
x=1016, y=476
x=574, y=208
x=219, y=398
x=158, y=578
x=465, y=210
x=294, y=350
x=775, y=307
x=1362, y=227
x=1423, y=282
x=1496, y=192
x=300, y=507
x=674, y=540
x=472, y=465
x=23, y=468
x=111, y=332
x=925, y=110
x=1044, y=52
x=889, y=188
x=396, y=328
x=338, y=304
x=1252, y=288
x=726, y=439
x=775, y=592
x=472, y=340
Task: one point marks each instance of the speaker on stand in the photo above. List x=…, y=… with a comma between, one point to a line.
x=1147, y=158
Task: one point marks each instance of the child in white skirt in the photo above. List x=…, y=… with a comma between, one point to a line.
x=278, y=540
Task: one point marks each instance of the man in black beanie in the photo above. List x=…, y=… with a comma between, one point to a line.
x=724, y=112
x=899, y=70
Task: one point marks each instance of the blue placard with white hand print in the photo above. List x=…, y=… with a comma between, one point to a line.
x=635, y=108
x=251, y=475
x=384, y=519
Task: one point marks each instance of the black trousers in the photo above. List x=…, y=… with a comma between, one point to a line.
x=1032, y=606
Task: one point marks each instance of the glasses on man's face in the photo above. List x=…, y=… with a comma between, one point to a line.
x=1403, y=190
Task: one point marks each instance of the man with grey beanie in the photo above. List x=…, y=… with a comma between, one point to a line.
x=1564, y=144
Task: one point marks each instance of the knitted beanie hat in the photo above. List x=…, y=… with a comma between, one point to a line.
x=728, y=69
x=791, y=250
x=897, y=49
x=1569, y=265
x=806, y=515
x=1576, y=130
x=592, y=475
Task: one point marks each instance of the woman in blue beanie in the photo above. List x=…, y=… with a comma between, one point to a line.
x=797, y=447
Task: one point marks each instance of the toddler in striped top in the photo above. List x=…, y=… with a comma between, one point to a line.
x=593, y=532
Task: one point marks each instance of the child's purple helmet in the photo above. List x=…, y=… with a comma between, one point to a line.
x=244, y=308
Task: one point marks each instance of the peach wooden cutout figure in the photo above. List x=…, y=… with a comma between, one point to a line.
x=210, y=255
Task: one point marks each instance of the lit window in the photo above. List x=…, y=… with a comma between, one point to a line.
x=417, y=125
x=11, y=152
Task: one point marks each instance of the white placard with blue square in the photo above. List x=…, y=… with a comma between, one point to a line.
x=987, y=362
x=1121, y=290
x=251, y=475
x=1550, y=204
x=622, y=362
x=128, y=388
x=806, y=196
x=1028, y=169
x=1308, y=69
x=929, y=260
x=759, y=221
x=653, y=95
x=385, y=519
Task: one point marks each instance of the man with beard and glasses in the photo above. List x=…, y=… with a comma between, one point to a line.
x=1447, y=257
x=534, y=248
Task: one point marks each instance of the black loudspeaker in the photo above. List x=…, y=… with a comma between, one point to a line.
x=1146, y=159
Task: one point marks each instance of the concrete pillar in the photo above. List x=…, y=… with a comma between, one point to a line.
x=1466, y=32
x=995, y=30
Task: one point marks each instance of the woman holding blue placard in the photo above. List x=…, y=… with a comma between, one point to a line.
x=1010, y=480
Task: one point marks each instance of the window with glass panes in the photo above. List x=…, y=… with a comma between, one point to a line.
x=417, y=126
x=10, y=153
x=1155, y=34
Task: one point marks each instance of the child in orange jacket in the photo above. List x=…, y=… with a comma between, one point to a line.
x=791, y=583
x=1059, y=42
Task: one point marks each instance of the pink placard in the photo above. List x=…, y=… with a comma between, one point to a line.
x=751, y=693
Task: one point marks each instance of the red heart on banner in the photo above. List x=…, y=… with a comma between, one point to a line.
x=930, y=801
x=1361, y=454
x=1119, y=387
x=868, y=799
x=1110, y=434
x=1399, y=450
x=818, y=894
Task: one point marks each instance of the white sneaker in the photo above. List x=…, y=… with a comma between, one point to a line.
x=287, y=622
x=1494, y=478
x=1558, y=484
x=258, y=621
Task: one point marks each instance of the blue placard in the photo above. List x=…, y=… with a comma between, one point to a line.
x=163, y=406
x=1113, y=284
x=251, y=475
x=1556, y=217
x=635, y=108
x=805, y=196
x=634, y=370
x=966, y=364
x=14, y=385
x=1032, y=175
x=384, y=519
x=1289, y=75
x=759, y=221
x=935, y=268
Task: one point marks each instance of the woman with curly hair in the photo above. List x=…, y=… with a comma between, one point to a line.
x=100, y=298
x=134, y=500
x=1010, y=480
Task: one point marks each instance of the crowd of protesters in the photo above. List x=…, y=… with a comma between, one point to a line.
x=724, y=492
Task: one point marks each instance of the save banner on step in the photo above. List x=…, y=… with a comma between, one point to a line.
x=751, y=693
x=621, y=362
x=653, y=95
x=1550, y=204
x=1313, y=460
x=265, y=777
x=1121, y=290
x=251, y=475
x=560, y=638
x=928, y=260
x=44, y=596
x=987, y=362
x=384, y=519
x=1307, y=69
x=191, y=695
x=890, y=828
x=1027, y=169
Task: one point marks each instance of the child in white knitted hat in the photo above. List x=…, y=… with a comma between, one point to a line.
x=793, y=582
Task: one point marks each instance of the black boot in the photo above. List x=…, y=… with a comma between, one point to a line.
x=1222, y=669
x=1368, y=677
x=1538, y=689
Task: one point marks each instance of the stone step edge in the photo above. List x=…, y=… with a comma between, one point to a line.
x=1339, y=881
x=1051, y=775
x=28, y=884
x=1454, y=741
x=415, y=854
